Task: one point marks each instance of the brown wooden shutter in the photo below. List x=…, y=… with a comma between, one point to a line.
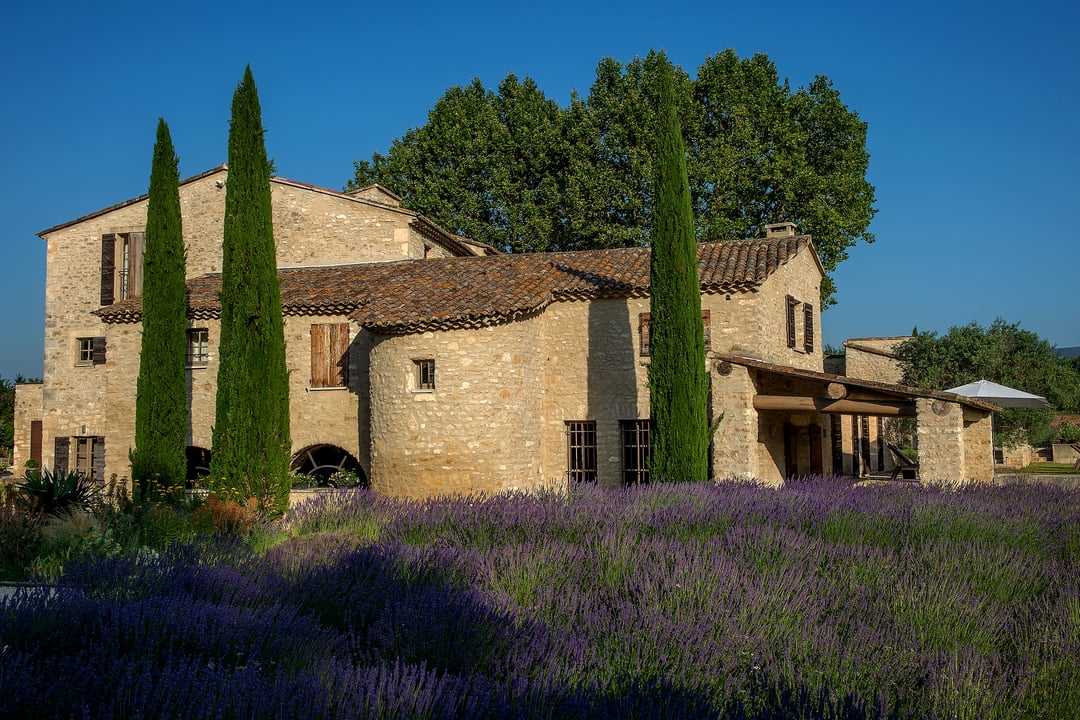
x=808, y=327
x=61, y=449
x=99, y=458
x=705, y=318
x=136, y=249
x=99, y=350
x=643, y=333
x=35, y=441
x=837, y=444
x=339, y=354
x=791, y=303
x=817, y=466
x=108, y=268
x=320, y=353
x=330, y=355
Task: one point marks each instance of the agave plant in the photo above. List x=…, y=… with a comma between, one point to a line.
x=56, y=491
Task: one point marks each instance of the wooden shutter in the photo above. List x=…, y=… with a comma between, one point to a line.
x=330, y=355
x=643, y=333
x=35, y=441
x=817, y=466
x=808, y=327
x=705, y=318
x=61, y=449
x=108, y=268
x=791, y=303
x=98, y=455
x=837, y=444
x=136, y=248
x=99, y=350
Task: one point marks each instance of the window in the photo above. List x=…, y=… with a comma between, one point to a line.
x=198, y=347
x=330, y=355
x=645, y=337
x=121, y=266
x=91, y=351
x=89, y=456
x=581, y=450
x=635, y=451
x=425, y=374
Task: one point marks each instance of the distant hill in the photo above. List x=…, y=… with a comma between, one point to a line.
x=1068, y=352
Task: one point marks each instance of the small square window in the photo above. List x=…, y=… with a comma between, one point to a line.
x=86, y=352
x=425, y=374
x=91, y=351
x=198, y=347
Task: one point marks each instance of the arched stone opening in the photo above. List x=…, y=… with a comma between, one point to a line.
x=322, y=461
x=198, y=462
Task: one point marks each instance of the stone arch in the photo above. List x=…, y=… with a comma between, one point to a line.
x=198, y=462
x=322, y=460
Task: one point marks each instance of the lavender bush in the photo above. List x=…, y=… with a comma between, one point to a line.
x=727, y=601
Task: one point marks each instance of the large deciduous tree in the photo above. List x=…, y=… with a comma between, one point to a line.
x=158, y=460
x=1002, y=353
x=251, y=443
x=678, y=384
x=515, y=170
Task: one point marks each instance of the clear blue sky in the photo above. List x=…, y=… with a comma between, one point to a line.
x=972, y=110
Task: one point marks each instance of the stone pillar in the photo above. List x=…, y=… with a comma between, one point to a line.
x=978, y=445
x=28, y=407
x=941, y=441
x=735, y=445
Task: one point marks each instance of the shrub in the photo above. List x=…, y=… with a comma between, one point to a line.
x=55, y=491
x=71, y=534
x=19, y=534
x=227, y=517
x=1069, y=433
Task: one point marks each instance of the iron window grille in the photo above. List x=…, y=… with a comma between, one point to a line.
x=581, y=450
x=636, y=437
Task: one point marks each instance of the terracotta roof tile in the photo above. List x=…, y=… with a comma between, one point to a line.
x=415, y=295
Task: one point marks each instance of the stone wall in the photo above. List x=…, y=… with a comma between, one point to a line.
x=27, y=408
x=478, y=430
x=870, y=359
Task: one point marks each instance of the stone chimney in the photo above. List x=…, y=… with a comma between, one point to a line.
x=780, y=230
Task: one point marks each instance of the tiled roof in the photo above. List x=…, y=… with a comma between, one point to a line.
x=416, y=295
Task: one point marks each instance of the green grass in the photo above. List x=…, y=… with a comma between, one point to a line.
x=1045, y=468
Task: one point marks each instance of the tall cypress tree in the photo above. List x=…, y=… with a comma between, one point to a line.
x=251, y=430
x=161, y=417
x=678, y=383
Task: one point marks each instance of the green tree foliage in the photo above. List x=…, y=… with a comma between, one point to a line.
x=161, y=416
x=678, y=384
x=251, y=442
x=515, y=170
x=1002, y=353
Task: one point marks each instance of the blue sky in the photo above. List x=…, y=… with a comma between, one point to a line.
x=972, y=110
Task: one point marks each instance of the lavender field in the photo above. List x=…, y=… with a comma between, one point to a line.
x=728, y=601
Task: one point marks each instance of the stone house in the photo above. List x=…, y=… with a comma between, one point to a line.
x=431, y=364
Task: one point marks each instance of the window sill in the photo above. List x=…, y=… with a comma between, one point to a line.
x=195, y=367
x=330, y=388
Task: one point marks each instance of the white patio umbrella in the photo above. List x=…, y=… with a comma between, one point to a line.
x=1001, y=395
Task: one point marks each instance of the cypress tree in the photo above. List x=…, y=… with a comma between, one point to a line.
x=251, y=442
x=678, y=383
x=161, y=417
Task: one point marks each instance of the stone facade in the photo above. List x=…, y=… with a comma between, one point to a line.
x=94, y=397
x=873, y=358
x=432, y=365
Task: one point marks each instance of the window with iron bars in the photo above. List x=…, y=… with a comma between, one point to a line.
x=581, y=450
x=635, y=450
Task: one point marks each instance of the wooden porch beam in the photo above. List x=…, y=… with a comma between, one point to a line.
x=899, y=408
